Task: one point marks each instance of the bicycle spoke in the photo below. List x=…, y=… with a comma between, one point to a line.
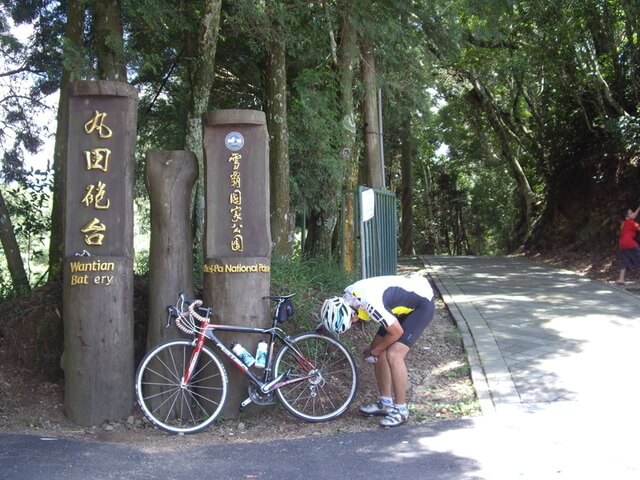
x=171, y=408
x=175, y=381
x=162, y=404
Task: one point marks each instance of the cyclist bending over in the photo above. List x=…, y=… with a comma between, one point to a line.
x=403, y=307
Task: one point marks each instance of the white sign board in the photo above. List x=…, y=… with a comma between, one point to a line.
x=367, y=203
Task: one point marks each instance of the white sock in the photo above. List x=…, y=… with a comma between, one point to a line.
x=388, y=401
x=402, y=407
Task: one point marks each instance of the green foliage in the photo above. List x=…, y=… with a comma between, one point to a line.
x=314, y=139
x=484, y=183
x=6, y=285
x=625, y=132
x=28, y=205
x=312, y=281
x=141, y=262
x=551, y=84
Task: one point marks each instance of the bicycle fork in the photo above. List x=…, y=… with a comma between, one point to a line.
x=193, y=361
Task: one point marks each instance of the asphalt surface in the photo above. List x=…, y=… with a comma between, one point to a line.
x=554, y=364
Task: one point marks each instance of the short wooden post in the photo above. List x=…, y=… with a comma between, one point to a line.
x=170, y=177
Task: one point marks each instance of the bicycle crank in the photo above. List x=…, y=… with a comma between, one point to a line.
x=260, y=398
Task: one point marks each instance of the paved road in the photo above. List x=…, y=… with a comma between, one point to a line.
x=543, y=336
x=554, y=360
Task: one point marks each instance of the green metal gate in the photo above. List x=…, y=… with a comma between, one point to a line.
x=377, y=222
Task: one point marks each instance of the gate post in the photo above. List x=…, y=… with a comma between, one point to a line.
x=98, y=252
x=237, y=244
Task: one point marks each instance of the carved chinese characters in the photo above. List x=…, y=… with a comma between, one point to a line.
x=235, y=202
x=237, y=188
x=99, y=173
x=97, y=159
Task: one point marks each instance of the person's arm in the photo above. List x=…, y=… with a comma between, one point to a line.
x=394, y=332
x=635, y=212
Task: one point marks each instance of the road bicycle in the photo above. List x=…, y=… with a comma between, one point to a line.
x=181, y=385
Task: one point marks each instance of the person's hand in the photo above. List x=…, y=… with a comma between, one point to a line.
x=367, y=357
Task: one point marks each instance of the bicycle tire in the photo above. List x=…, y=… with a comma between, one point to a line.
x=171, y=406
x=329, y=393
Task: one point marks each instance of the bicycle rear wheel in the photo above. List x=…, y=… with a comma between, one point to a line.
x=172, y=406
x=332, y=377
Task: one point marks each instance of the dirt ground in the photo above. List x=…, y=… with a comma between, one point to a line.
x=440, y=388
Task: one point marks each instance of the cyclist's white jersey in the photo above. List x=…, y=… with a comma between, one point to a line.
x=383, y=298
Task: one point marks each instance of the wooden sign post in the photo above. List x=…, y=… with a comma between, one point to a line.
x=237, y=245
x=98, y=252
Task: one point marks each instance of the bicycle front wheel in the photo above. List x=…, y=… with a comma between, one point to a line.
x=168, y=403
x=329, y=372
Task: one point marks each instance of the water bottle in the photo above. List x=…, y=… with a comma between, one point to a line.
x=261, y=354
x=243, y=354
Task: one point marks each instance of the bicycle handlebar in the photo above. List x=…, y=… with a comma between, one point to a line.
x=187, y=324
x=278, y=297
x=192, y=311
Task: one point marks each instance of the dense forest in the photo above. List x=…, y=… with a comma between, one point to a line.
x=506, y=125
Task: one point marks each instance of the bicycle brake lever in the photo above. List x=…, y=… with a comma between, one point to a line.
x=171, y=312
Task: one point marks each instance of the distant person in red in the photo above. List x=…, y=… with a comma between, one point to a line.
x=629, y=250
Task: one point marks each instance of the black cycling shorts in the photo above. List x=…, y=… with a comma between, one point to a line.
x=414, y=322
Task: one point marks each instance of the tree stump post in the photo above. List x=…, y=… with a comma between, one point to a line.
x=170, y=177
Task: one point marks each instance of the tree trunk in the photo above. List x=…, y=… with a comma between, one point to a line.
x=201, y=63
x=282, y=220
x=107, y=25
x=320, y=232
x=433, y=237
x=372, y=154
x=406, y=192
x=73, y=36
x=349, y=152
x=12, y=251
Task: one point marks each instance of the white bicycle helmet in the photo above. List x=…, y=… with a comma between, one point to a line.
x=336, y=315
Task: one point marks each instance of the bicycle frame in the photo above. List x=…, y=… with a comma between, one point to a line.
x=266, y=384
x=182, y=385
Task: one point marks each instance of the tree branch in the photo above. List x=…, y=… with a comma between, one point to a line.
x=21, y=69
